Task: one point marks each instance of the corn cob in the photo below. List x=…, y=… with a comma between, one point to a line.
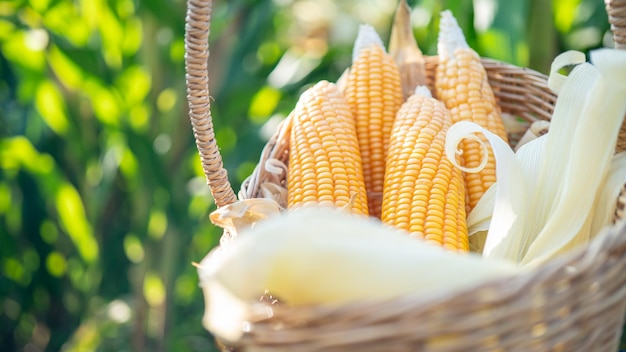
x=461, y=84
x=374, y=94
x=324, y=159
x=424, y=192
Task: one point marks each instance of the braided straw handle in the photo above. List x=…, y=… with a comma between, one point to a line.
x=197, y=28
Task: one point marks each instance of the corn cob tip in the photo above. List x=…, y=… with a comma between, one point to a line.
x=366, y=37
x=423, y=91
x=451, y=36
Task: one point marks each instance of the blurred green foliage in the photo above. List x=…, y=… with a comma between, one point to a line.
x=103, y=205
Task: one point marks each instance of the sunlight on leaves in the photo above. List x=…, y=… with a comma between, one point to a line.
x=269, y=53
x=105, y=103
x=177, y=51
x=565, y=14
x=7, y=8
x=65, y=20
x=497, y=45
x=166, y=100
x=40, y=5
x=19, y=152
x=139, y=117
x=154, y=290
x=86, y=338
x=5, y=197
x=29, y=17
x=112, y=35
x=90, y=10
x=263, y=104
x=15, y=48
x=522, y=53
x=125, y=8
x=70, y=74
x=73, y=219
x=157, y=224
x=56, y=264
x=6, y=29
x=134, y=85
x=132, y=37
x=51, y=107
x=133, y=248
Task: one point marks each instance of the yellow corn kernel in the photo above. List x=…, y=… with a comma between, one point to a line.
x=461, y=84
x=324, y=159
x=423, y=191
x=374, y=94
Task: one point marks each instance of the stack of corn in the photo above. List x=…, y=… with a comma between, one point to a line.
x=378, y=147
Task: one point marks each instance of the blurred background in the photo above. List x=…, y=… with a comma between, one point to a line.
x=103, y=204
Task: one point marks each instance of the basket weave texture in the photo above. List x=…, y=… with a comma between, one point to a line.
x=574, y=303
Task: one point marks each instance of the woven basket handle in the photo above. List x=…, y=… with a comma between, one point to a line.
x=616, y=9
x=197, y=28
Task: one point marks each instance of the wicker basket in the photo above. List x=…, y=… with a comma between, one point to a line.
x=573, y=303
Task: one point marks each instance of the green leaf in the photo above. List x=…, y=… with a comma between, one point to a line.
x=154, y=290
x=5, y=197
x=565, y=14
x=51, y=107
x=133, y=35
x=134, y=85
x=67, y=71
x=56, y=264
x=133, y=248
x=64, y=20
x=72, y=216
x=105, y=102
x=18, y=152
x=25, y=48
x=263, y=104
x=6, y=29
